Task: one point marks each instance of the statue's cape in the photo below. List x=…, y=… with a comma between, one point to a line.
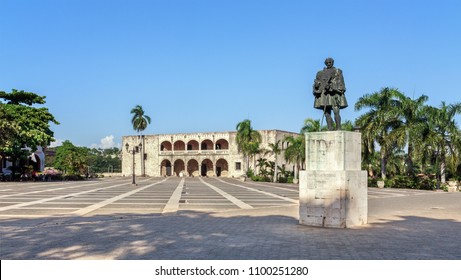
x=334, y=96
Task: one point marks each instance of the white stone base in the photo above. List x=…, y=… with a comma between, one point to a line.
x=333, y=198
x=333, y=189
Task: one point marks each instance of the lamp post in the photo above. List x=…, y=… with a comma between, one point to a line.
x=133, y=152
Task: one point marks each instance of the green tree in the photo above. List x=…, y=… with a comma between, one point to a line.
x=378, y=124
x=296, y=151
x=263, y=164
x=23, y=125
x=412, y=127
x=276, y=150
x=8, y=127
x=248, y=140
x=104, y=160
x=70, y=159
x=140, y=121
x=311, y=125
x=444, y=135
x=347, y=126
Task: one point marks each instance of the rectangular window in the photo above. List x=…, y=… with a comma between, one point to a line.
x=238, y=166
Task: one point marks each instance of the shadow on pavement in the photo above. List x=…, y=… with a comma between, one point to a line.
x=196, y=235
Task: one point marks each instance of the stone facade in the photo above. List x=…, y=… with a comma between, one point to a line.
x=193, y=154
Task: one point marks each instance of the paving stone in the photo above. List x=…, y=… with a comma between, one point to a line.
x=403, y=224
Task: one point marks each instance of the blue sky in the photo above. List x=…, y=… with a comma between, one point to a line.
x=203, y=66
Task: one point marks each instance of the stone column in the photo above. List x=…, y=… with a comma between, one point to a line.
x=333, y=188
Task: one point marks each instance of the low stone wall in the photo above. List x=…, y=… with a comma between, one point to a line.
x=108, y=174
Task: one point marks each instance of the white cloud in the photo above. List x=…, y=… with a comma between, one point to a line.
x=106, y=143
x=56, y=143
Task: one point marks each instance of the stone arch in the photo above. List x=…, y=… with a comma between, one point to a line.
x=165, y=168
x=179, y=168
x=165, y=146
x=193, y=168
x=192, y=145
x=179, y=146
x=206, y=144
x=222, y=168
x=222, y=144
x=206, y=168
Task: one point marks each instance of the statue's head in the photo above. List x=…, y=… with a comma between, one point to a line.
x=329, y=62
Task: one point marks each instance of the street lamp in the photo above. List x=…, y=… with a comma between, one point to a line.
x=133, y=151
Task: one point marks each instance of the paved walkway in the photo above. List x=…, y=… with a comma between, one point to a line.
x=210, y=218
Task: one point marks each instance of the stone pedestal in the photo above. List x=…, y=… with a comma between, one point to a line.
x=333, y=189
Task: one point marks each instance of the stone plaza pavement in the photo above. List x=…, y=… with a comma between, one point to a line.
x=217, y=219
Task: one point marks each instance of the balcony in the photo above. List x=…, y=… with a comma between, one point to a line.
x=193, y=152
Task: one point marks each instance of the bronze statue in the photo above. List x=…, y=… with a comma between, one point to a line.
x=329, y=89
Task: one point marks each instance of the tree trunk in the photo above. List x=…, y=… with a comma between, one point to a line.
x=443, y=168
x=410, y=160
x=383, y=167
x=143, y=168
x=275, y=170
x=370, y=171
x=248, y=164
x=443, y=165
x=296, y=170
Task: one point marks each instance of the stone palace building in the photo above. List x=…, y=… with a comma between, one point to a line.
x=193, y=154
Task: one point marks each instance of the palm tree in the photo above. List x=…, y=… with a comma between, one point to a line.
x=347, y=126
x=140, y=122
x=444, y=135
x=413, y=126
x=275, y=149
x=296, y=151
x=311, y=125
x=378, y=124
x=139, y=119
x=248, y=140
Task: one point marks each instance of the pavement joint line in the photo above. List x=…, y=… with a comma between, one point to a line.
x=270, y=186
x=49, y=190
x=259, y=191
x=229, y=197
x=16, y=206
x=172, y=205
x=88, y=209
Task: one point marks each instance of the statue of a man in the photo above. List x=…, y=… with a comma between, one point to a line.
x=329, y=89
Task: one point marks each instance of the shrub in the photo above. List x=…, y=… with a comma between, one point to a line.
x=425, y=183
x=260, y=179
x=372, y=182
x=400, y=182
x=282, y=180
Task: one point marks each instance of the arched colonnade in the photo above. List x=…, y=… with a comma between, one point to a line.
x=194, y=168
x=194, y=145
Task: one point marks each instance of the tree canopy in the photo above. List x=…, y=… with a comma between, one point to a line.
x=70, y=158
x=23, y=126
x=248, y=139
x=139, y=120
x=409, y=135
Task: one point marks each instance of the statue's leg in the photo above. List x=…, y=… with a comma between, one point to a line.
x=337, y=117
x=329, y=119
